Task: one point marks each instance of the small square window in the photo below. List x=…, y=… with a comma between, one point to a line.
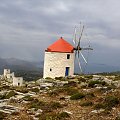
x=50, y=69
x=68, y=56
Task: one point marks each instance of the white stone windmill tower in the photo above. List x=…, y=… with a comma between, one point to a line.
x=59, y=57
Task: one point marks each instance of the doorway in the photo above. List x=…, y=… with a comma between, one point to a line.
x=67, y=71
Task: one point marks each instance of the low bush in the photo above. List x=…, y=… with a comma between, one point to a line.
x=2, y=115
x=108, y=103
x=117, y=77
x=77, y=96
x=37, y=104
x=71, y=84
x=99, y=106
x=55, y=105
x=59, y=78
x=90, y=95
x=93, y=82
x=53, y=93
x=63, y=115
x=111, y=101
x=22, y=89
x=10, y=94
x=67, y=90
x=87, y=103
x=48, y=78
x=46, y=107
x=54, y=116
x=35, y=90
x=28, y=98
x=80, y=79
x=88, y=76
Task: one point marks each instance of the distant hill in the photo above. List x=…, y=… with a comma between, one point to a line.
x=21, y=66
x=97, y=68
x=17, y=64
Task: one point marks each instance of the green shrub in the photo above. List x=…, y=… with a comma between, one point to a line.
x=2, y=97
x=93, y=82
x=99, y=106
x=59, y=78
x=2, y=115
x=48, y=78
x=77, y=96
x=35, y=90
x=53, y=93
x=88, y=76
x=108, y=103
x=10, y=94
x=67, y=90
x=54, y=116
x=111, y=101
x=28, y=98
x=22, y=89
x=71, y=90
x=81, y=79
x=71, y=84
x=37, y=104
x=117, y=77
x=90, y=95
x=87, y=103
x=63, y=115
x=55, y=105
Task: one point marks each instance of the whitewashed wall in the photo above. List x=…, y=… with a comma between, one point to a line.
x=6, y=71
x=10, y=75
x=17, y=81
x=58, y=63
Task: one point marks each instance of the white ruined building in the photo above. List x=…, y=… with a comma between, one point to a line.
x=10, y=75
x=7, y=74
x=17, y=81
x=59, y=59
x=6, y=71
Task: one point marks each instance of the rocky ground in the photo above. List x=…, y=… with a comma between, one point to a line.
x=85, y=97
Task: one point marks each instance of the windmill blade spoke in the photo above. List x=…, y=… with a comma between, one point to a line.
x=79, y=64
x=81, y=35
x=75, y=54
x=87, y=48
x=83, y=57
x=78, y=53
x=74, y=38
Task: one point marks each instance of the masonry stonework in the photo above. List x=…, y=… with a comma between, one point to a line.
x=55, y=64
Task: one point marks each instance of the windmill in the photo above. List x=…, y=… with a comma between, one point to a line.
x=77, y=46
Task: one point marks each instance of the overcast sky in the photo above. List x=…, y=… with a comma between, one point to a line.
x=27, y=27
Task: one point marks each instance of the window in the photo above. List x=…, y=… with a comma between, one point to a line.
x=50, y=69
x=68, y=56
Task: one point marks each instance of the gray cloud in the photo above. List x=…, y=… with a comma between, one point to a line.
x=27, y=27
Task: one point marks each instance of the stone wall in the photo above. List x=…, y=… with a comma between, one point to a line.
x=17, y=81
x=55, y=64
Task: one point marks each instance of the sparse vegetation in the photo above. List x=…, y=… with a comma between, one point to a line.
x=28, y=98
x=77, y=96
x=82, y=97
x=10, y=94
x=87, y=103
x=2, y=115
x=95, y=82
x=54, y=116
x=35, y=90
x=108, y=103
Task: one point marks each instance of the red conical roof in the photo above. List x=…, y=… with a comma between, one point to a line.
x=61, y=45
